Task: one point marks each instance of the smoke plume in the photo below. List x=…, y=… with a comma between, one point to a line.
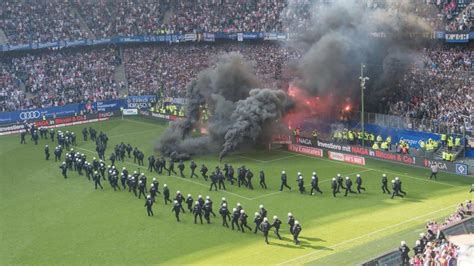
x=336, y=40
x=238, y=110
x=342, y=35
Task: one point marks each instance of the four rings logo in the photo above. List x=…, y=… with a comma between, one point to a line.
x=30, y=115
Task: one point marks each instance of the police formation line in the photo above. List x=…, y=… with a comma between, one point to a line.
x=137, y=184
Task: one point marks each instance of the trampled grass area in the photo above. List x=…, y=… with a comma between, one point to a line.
x=49, y=220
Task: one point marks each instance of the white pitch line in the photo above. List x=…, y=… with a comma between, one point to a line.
x=251, y=159
x=133, y=133
x=366, y=235
x=267, y=161
x=179, y=178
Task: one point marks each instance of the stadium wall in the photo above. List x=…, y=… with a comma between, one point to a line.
x=338, y=151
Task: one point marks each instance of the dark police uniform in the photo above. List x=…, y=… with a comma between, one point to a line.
x=262, y=179
x=359, y=184
x=197, y=211
x=176, y=209
x=284, y=180
x=148, y=204
x=384, y=185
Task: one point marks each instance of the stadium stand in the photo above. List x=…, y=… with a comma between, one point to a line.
x=57, y=78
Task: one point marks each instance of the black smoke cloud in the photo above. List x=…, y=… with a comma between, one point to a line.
x=338, y=38
x=239, y=110
x=347, y=33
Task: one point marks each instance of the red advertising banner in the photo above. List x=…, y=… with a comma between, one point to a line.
x=306, y=150
x=352, y=159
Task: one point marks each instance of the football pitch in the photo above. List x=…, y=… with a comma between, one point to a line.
x=46, y=219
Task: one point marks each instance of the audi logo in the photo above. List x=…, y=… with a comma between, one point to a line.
x=29, y=115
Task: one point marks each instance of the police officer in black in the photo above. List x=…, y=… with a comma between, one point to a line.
x=162, y=165
x=204, y=172
x=262, y=179
x=396, y=190
x=339, y=183
x=301, y=185
x=171, y=167
x=225, y=213
x=189, y=202
x=213, y=181
x=63, y=168
x=241, y=173
x=166, y=194
x=197, y=211
x=209, y=201
x=46, y=152
x=243, y=221
x=404, y=250
x=132, y=185
x=399, y=183
x=384, y=184
x=129, y=149
x=230, y=174
x=296, y=232
x=248, y=177
x=148, y=204
x=276, y=224
x=123, y=177
x=85, y=133
x=193, y=167
x=221, y=179
x=152, y=191
x=112, y=158
x=291, y=222
x=51, y=134
x=96, y=178
x=207, y=211
x=314, y=184
x=141, y=189
x=200, y=200
x=22, y=135
x=359, y=183
x=181, y=168
x=262, y=211
x=349, y=186
x=265, y=228
x=151, y=163
x=114, y=181
x=156, y=184
x=257, y=220
x=235, y=218
x=179, y=198
x=35, y=136
x=176, y=209
x=284, y=180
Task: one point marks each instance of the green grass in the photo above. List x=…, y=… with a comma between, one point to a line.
x=46, y=219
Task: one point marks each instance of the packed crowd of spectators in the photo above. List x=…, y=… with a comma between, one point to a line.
x=43, y=21
x=51, y=20
x=448, y=19
x=108, y=18
x=58, y=78
x=432, y=248
x=441, y=90
x=168, y=69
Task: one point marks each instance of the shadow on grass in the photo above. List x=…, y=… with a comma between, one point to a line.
x=313, y=239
